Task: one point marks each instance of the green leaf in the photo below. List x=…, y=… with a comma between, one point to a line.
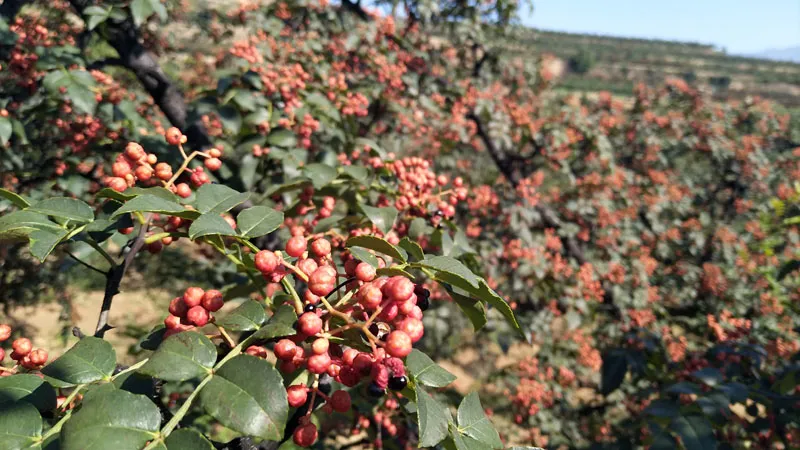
x=95, y=15
x=418, y=228
x=90, y=359
x=320, y=174
x=488, y=295
x=218, y=198
x=20, y=426
x=247, y=316
x=151, y=203
x=245, y=100
x=282, y=138
x=280, y=324
x=615, y=366
x=187, y=439
x=140, y=11
x=209, y=224
x=452, y=267
x=18, y=200
x=135, y=191
x=462, y=442
x=182, y=356
x=377, y=244
x=695, y=432
x=247, y=395
x=357, y=173
x=6, y=128
x=365, y=256
x=230, y=118
x=43, y=242
x=427, y=372
x=19, y=224
x=112, y=419
x=473, y=309
x=433, y=418
x=473, y=422
x=413, y=249
x=65, y=208
x=383, y=218
x=709, y=375
x=82, y=98
x=258, y=221
x=27, y=388
x=393, y=271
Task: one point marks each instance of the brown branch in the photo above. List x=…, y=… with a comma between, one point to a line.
x=114, y=279
x=124, y=36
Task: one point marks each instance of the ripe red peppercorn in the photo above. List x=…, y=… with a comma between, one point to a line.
x=321, y=248
x=22, y=346
x=213, y=300
x=172, y=322
x=340, y=401
x=267, y=261
x=177, y=307
x=400, y=289
x=193, y=296
x=5, y=332
x=398, y=344
x=322, y=281
x=309, y=324
x=197, y=315
x=370, y=296
x=297, y=395
x=305, y=435
x=183, y=190
x=38, y=357
x=365, y=272
x=412, y=327
x=296, y=246
x=213, y=164
x=285, y=349
x=320, y=346
x=319, y=363
x=173, y=136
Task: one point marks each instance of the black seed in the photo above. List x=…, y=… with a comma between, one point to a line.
x=423, y=303
x=375, y=391
x=398, y=383
x=310, y=308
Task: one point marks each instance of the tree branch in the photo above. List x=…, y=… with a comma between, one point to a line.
x=124, y=37
x=114, y=279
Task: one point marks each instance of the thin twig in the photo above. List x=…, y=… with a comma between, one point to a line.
x=85, y=264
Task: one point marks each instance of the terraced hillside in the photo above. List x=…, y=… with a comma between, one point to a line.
x=594, y=62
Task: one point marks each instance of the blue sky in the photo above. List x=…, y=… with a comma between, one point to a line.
x=740, y=26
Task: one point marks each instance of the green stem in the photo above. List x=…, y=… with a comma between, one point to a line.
x=102, y=252
x=184, y=409
x=167, y=429
x=298, y=304
x=57, y=427
x=129, y=369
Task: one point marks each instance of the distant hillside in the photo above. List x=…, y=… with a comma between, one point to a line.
x=596, y=62
x=784, y=54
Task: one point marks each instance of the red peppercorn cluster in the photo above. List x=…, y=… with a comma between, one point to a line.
x=22, y=352
x=134, y=166
x=420, y=187
x=387, y=310
x=193, y=309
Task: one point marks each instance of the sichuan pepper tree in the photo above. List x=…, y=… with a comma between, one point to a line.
x=337, y=313
x=626, y=235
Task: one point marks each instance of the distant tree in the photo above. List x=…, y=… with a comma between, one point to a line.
x=582, y=62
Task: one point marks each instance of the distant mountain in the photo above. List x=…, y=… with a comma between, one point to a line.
x=784, y=54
